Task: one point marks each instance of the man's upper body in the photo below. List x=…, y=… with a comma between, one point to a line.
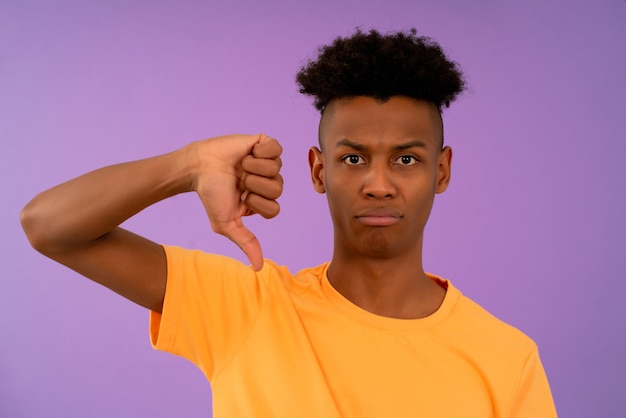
x=381, y=160
x=274, y=344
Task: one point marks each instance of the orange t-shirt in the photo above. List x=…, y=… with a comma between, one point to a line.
x=274, y=344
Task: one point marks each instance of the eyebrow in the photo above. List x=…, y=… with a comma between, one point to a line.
x=400, y=147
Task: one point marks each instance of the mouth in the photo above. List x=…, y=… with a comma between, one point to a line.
x=379, y=217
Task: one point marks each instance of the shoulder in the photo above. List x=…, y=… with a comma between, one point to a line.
x=193, y=262
x=477, y=329
x=476, y=326
x=205, y=262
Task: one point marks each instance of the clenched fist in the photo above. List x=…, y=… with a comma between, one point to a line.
x=236, y=176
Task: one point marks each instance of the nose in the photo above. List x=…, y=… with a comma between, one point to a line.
x=378, y=182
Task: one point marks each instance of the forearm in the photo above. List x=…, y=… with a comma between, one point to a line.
x=81, y=211
x=76, y=223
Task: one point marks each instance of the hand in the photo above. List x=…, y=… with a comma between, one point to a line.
x=238, y=175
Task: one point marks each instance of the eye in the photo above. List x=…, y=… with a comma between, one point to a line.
x=353, y=159
x=406, y=160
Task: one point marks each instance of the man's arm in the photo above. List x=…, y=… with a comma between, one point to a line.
x=76, y=223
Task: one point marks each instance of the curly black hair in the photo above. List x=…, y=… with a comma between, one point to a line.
x=381, y=66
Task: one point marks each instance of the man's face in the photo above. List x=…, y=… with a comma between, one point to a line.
x=380, y=166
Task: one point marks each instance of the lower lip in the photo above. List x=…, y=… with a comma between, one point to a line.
x=378, y=220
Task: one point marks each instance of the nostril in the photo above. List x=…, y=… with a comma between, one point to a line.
x=379, y=195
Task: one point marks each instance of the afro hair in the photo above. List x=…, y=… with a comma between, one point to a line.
x=381, y=66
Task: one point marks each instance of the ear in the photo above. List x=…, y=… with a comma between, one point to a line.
x=316, y=164
x=443, y=170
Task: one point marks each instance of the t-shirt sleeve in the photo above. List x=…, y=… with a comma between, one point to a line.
x=534, y=398
x=210, y=305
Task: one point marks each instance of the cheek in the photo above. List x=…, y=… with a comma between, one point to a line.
x=335, y=201
x=423, y=204
x=340, y=199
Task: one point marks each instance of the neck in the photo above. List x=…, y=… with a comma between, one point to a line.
x=395, y=287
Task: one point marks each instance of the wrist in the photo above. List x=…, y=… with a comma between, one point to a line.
x=174, y=173
x=189, y=166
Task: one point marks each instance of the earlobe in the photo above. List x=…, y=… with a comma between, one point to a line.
x=444, y=170
x=316, y=165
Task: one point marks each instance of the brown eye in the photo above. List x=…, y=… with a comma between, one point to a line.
x=353, y=159
x=406, y=160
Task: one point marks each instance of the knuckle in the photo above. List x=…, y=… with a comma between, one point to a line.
x=247, y=162
x=280, y=190
x=273, y=208
x=273, y=170
x=247, y=181
x=275, y=190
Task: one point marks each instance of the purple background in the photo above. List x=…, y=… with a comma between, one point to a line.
x=532, y=226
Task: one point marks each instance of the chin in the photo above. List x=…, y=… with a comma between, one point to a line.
x=377, y=244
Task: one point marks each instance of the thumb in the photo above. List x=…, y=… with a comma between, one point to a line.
x=248, y=243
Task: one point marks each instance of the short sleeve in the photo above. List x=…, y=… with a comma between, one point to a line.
x=533, y=398
x=210, y=305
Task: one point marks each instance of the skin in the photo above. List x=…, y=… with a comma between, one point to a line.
x=76, y=223
x=380, y=166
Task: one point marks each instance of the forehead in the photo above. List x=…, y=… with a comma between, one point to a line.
x=368, y=120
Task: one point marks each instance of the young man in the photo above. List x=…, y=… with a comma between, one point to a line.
x=368, y=334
